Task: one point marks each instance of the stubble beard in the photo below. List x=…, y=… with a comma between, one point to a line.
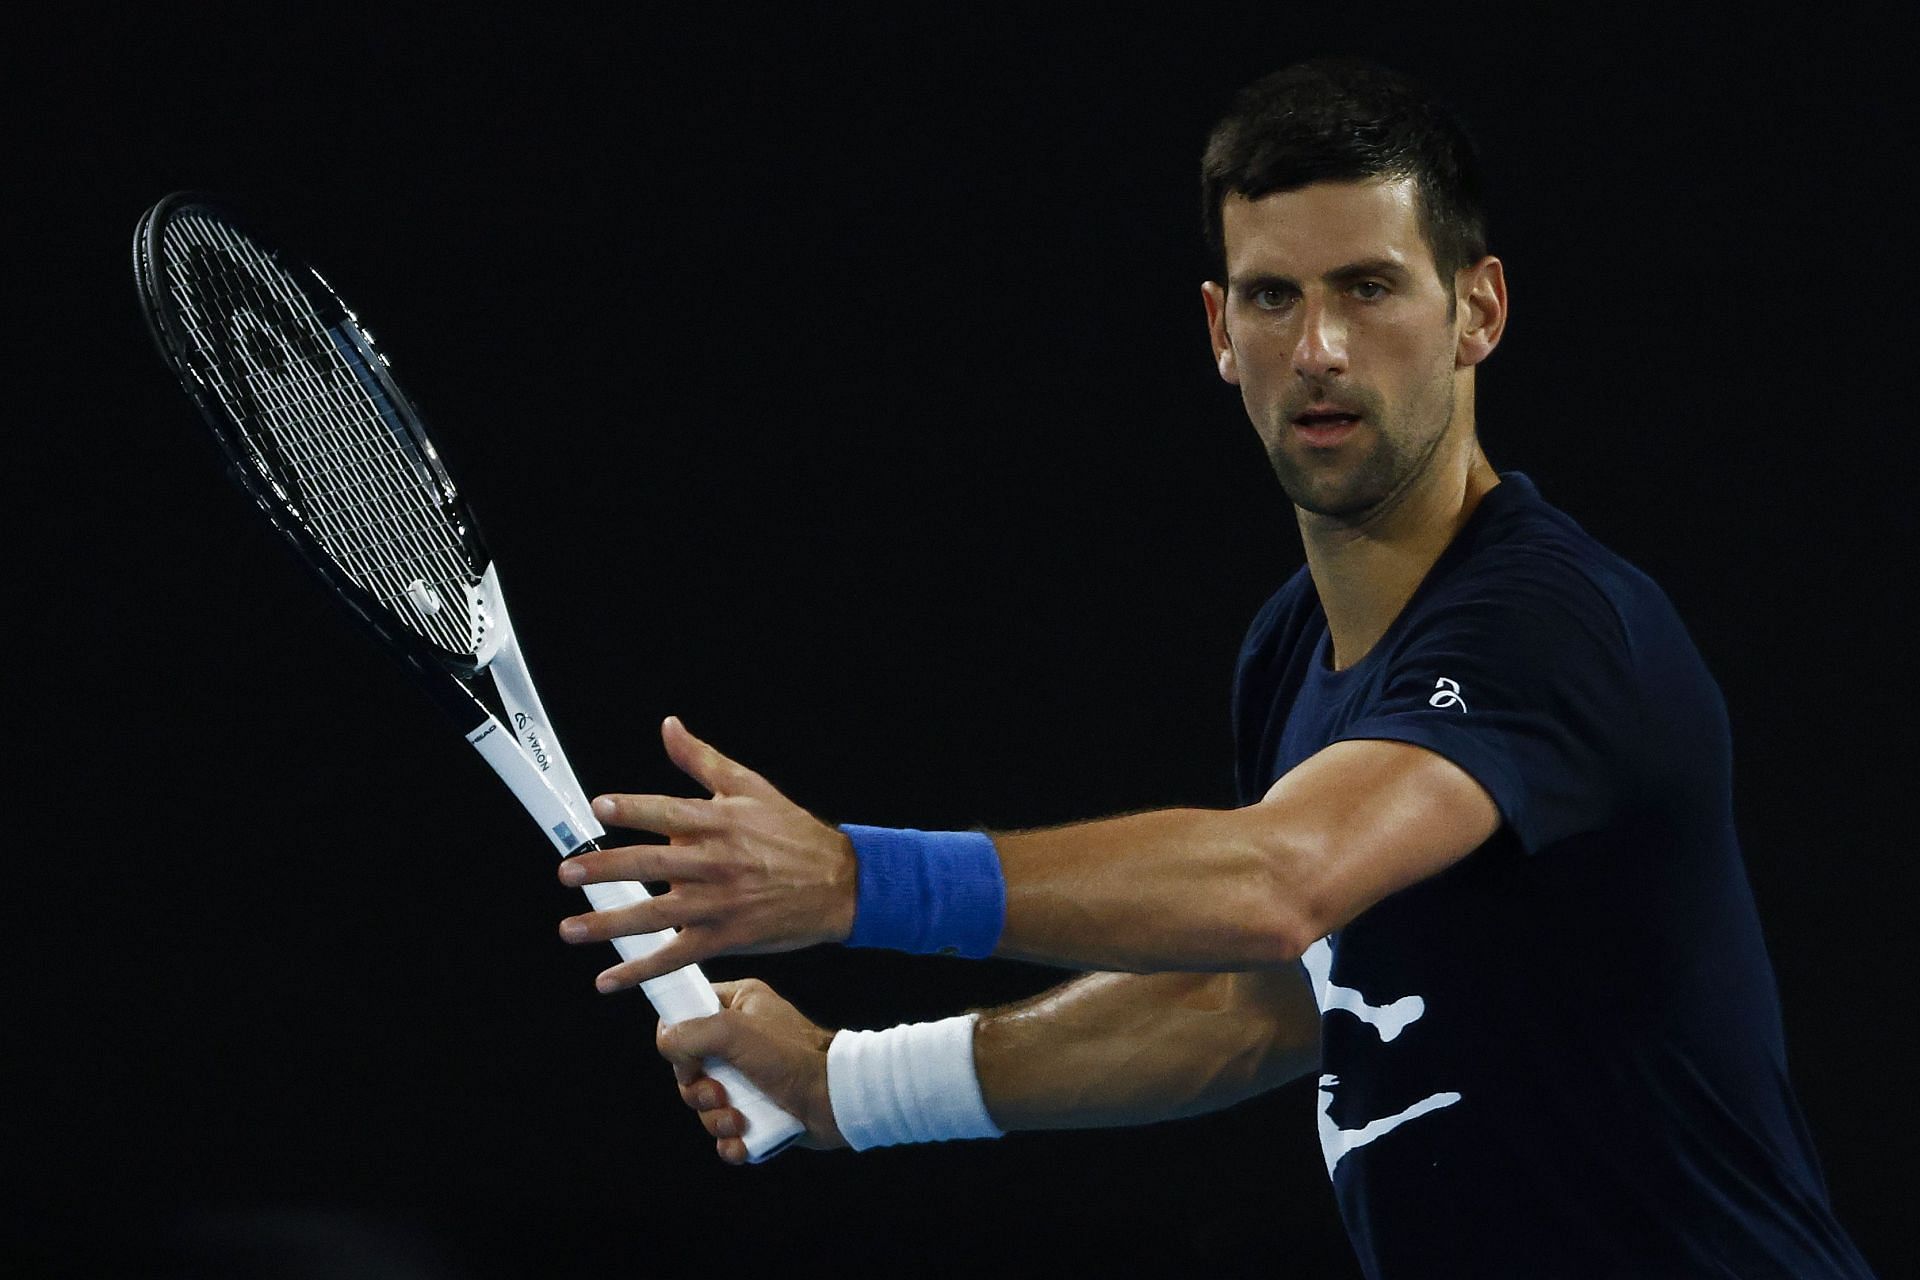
x=1351, y=491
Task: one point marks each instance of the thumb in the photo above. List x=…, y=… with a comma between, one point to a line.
x=704, y=764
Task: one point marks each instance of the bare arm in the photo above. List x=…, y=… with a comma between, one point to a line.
x=1103, y=1050
x=1113, y=1049
x=1189, y=889
x=1242, y=888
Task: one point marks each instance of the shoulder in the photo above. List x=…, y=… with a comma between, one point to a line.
x=1534, y=568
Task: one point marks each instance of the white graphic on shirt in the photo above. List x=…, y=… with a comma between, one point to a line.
x=1447, y=695
x=1388, y=1020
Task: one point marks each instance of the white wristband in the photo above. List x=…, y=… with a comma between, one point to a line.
x=911, y=1083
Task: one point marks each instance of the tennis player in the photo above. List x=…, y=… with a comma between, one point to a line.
x=1483, y=879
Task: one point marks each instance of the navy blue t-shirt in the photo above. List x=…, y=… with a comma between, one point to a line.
x=1563, y=1055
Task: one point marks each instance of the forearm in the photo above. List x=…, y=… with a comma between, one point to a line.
x=1199, y=890
x=1112, y=1049
x=1105, y=1050
x=1188, y=889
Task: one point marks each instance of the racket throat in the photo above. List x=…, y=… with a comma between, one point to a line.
x=522, y=719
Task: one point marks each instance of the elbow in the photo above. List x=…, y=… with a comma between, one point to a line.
x=1292, y=914
x=1289, y=937
x=1281, y=929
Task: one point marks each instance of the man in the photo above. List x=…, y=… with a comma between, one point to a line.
x=1484, y=876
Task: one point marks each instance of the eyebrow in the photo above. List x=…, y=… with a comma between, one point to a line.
x=1344, y=274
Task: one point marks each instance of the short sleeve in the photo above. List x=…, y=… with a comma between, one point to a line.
x=1522, y=676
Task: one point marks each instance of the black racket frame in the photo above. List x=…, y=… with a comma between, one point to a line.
x=432, y=663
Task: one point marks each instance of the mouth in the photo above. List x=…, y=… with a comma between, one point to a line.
x=1324, y=428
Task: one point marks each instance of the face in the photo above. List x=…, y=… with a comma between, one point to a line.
x=1347, y=348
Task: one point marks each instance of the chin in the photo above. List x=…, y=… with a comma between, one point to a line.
x=1337, y=506
x=1340, y=495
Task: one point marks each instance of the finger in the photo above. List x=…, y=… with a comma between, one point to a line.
x=731, y=1150
x=740, y=989
x=723, y=1122
x=703, y=1094
x=694, y=1040
x=700, y=761
x=669, y=911
x=663, y=815
x=690, y=946
x=671, y=862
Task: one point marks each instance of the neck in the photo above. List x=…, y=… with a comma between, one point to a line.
x=1365, y=572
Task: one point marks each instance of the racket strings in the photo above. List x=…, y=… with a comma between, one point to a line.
x=311, y=419
x=384, y=513
x=312, y=440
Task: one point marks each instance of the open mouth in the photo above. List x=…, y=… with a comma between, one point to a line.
x=1328, y=427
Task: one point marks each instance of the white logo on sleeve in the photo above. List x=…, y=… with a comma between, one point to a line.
x=1388, y=1020
x=1447, y=694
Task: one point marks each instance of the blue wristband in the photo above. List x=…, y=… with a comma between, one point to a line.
x=928, y=891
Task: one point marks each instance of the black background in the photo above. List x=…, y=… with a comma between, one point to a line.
x=839, y=383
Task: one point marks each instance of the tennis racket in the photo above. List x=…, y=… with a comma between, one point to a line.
x=318, y=433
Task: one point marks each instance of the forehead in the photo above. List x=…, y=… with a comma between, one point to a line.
x=1302, y=234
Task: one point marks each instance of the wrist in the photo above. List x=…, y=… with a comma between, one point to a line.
x=823, y=1127
x=844, y=886
x=911, y=1083
x=927, y=891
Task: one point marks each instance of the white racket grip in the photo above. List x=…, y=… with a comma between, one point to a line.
x=686, y=993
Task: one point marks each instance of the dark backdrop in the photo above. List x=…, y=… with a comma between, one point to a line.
x=839, y=383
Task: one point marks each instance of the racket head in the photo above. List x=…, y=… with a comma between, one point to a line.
x=315, y=429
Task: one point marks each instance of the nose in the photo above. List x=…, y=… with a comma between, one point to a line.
x=1321, y=351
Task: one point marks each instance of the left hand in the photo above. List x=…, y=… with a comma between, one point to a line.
x=770, y=1043
x=748, y=870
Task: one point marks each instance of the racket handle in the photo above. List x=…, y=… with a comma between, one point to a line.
x=686, y=993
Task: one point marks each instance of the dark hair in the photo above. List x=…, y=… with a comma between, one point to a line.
x=1344, y=120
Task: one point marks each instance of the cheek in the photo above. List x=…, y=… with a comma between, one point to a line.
x=1413, y=364
x=1263, y=358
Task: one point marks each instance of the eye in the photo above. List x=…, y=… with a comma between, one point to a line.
x=1270, y=297
x=1370, y=290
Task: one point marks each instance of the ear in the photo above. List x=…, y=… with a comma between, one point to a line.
x=1214, y=296
x=1481, y=309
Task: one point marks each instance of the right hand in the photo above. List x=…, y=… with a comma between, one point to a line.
x=770, y=1043
x=749, y=870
